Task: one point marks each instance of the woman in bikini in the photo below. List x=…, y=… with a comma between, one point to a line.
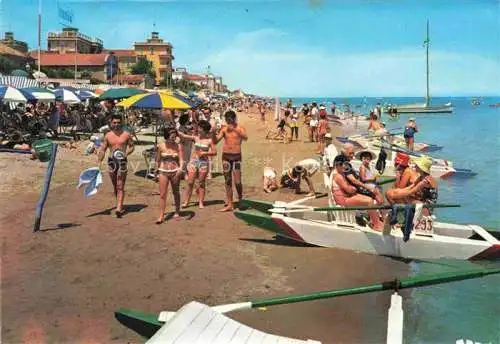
x=345, y=194
x=323, y=129
x=423, y=190
x=199, y=164
x=169, y=163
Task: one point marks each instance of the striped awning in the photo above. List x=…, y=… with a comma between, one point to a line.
x=17, y=81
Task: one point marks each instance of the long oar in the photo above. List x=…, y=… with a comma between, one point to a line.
x=350, y=208
x=367, y=135
x=397, y=284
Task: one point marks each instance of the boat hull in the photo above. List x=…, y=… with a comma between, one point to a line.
x=363, y=239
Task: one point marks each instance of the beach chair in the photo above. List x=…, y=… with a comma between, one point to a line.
x=343, y=218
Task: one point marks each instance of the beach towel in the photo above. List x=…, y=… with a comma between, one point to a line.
x=91, y=177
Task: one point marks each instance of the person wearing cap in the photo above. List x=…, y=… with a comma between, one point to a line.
x=405, y=175
x=304, y=169
x=346, y=194
x=409, y=133
x=120, y=145
x=423, y=190
x=329, y=153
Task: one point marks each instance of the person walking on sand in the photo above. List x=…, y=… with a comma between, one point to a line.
x=233, y=135
x=120, y=145
x=323, y=129
x=169, y=163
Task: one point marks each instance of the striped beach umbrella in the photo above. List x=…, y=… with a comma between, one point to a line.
x=40, y=94
x=67, y=96
x=120, y=93
x=11, y=94
x=157, y=100
x=86, y=94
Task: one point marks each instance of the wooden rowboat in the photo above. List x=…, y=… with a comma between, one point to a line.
x=340, y=229
x=198, y=323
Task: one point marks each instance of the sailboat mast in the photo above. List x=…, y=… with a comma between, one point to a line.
x=427, y=41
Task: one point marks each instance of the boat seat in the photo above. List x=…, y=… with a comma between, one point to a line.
x=342, y=218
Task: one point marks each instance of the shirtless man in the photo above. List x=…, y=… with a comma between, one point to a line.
x=233, y=135
x=120, y=146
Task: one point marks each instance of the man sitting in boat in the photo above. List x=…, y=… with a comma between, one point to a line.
x=304, y=169
x=346, y=194
x=423, y=190
x=374, y=123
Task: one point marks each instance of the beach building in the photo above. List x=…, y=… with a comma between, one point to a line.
x=9, y=41
x=179, y=73
x=71, y=41
x=159, y=53
x=101, y=66
x=138, y=81
x=126, y=60
x=13, y=59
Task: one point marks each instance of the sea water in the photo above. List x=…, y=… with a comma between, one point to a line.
x=470, y=137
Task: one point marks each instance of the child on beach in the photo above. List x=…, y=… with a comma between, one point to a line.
x=367, y=176
x=269, y=180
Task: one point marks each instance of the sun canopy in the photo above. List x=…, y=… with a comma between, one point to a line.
x=120, y=93
x=158, y=100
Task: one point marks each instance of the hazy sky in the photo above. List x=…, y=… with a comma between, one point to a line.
x=299, y=47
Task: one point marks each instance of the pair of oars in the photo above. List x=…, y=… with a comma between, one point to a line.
x=353, y=208
x=367, y=135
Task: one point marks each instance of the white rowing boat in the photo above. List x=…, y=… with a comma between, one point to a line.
x=339, y=229
x=196, y=323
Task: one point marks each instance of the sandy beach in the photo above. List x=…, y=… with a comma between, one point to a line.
x=63, y=284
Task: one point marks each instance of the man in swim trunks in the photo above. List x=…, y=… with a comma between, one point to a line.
x=233, y=135
x=120, y=146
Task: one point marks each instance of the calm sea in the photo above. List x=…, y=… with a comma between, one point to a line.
x=471, y=139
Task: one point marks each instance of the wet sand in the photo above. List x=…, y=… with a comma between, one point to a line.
x=62, y=284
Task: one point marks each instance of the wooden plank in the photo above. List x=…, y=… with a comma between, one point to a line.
x=256, y=337
x=227, y=332
x=270, y=339
x=173, y=329
x=212, y=330
x=196, y=327
x=482, y=232
x=242, y=334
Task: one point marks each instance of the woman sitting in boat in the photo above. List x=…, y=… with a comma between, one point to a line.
x=346, y=194
x=423, y=190
x=405, y=175
x=366, y=175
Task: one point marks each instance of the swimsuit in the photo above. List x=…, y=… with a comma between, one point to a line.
x=199, y=163
x=169, y=158
x=117, y=162
x=231, y=159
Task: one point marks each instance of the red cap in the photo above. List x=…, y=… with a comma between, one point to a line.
x=402, y=159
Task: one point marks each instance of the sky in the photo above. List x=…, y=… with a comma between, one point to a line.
x=300, y=48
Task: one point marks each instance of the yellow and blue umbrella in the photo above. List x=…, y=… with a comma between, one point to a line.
x=157, y=100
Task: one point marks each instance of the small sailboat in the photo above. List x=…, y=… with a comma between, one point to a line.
x=425, y=107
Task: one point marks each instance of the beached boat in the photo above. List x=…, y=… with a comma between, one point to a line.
x=425, y=107
x=365, y=141
x=440, y=169
x=338, y=227
x=196, y=323
x=350, y=122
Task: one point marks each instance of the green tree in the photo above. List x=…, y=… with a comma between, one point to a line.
x=6, y=65
x=143, y=66
x=185, y=85
x=66, y=74
x=86, y=75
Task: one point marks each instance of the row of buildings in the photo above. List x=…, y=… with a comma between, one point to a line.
x=86, y=57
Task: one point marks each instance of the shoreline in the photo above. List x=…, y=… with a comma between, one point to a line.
x=84, y=264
